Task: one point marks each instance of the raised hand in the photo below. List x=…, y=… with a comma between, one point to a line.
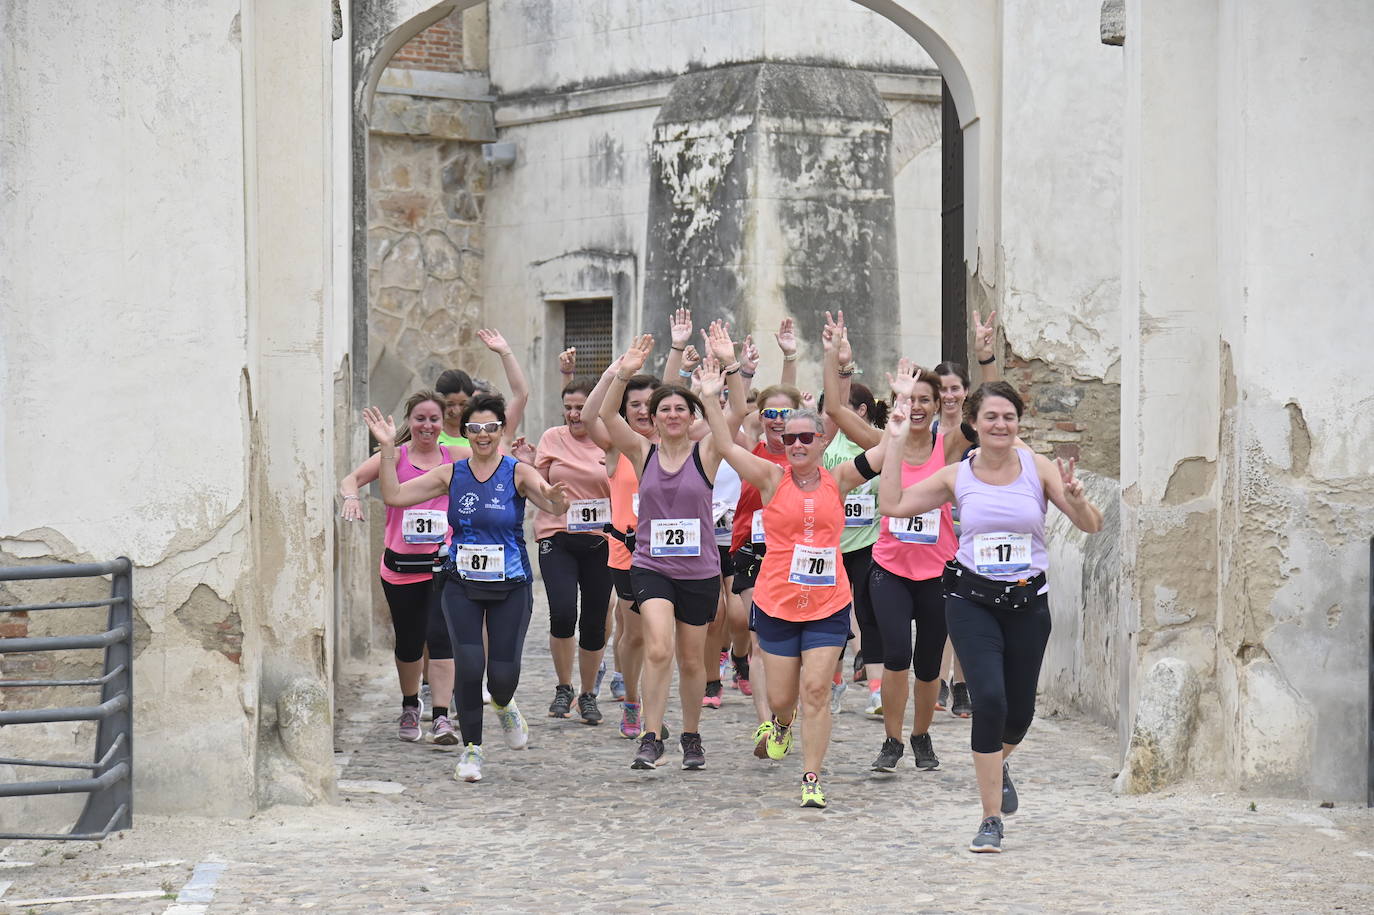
x=382, y=427
x=494, y=341
x=983, y=334
x=830, y=333
x=680, y=328
x=718, y=343
x=904, y=383
x=711, y=377
x=1073, y=487
x=690, y=358
x=899, y=418
x=567, y=361
x=635, y=356
x=787, y=337
x=749, y=355
x=523, y=451
x=844, y=352
x=558, y=495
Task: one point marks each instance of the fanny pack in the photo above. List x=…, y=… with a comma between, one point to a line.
x=989, y=592
x=625, y=537
x=411, y=563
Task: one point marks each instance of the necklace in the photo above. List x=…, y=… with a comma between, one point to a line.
x=801, y=482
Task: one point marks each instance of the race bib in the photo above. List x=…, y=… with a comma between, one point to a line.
x=589, y=514
x=675, y=537
x=812, y=566
x=859, y=510
x=918, y=529
x=1001, y=553
x=756, y=527
x=724, y=513
x=424, y=525
x=481, y=561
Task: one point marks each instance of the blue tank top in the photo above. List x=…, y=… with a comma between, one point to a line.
x=486, y=515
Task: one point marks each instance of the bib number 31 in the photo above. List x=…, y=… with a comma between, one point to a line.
x=424, y=525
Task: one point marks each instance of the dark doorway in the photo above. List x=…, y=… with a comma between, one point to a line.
x=953, y=274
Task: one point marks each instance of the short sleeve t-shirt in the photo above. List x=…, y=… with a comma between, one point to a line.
x=564, y=458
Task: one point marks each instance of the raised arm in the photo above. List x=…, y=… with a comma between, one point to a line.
x=412, y=492
x=628, y=441
x=515, y=379
x=932, y=492
x=546, y=496
x=984, y=335
x=836, y=341
x=591, y=410
x=787, y=342
x=680, y=334
x=1066, y=492
x=765, y=475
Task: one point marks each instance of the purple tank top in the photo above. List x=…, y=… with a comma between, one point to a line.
x=1002, y=528
x=675, y=534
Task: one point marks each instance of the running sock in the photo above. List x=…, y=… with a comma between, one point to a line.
x=837, y=679
x=874, y=685
x=811, y=777
x=441, y=711
x=741, y=663
x=410, y=701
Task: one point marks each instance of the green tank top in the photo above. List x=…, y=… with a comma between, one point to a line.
x=446, y=439
x=853, y=538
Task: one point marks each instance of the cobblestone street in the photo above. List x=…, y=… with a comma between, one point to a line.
x=567, y=825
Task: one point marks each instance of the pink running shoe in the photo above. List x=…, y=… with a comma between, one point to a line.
x=712, y=697
x=630, y=724
x=742, y=684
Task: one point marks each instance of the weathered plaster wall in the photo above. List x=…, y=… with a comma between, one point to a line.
x=915, y=155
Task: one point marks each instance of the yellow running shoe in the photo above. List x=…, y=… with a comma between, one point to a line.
x=779, y=740
x=812, y=795
x=761, y=739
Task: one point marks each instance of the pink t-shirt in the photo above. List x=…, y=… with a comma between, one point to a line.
x=918, y=548
x=582, y=466
x=425, y=524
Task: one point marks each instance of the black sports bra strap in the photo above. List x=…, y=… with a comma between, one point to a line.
x=701, y=468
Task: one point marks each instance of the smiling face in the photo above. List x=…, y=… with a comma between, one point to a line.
x=573, y=403
x=952, y=394
x=922, y=407
x=453, y=407
x=673, y=418
x=426, y=421
x=775, y=427
x=997, y=422
x=483, y=442
x=803, y=457
x=637, y=411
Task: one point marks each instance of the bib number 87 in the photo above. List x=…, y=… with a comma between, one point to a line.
x=478, y=562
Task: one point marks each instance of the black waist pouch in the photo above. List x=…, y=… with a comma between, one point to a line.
x=989, y=592
x=625, y=537
x=411, y=563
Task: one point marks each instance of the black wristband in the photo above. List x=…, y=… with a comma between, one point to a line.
x=677, y=349
x=988, y=361
x=865, y=469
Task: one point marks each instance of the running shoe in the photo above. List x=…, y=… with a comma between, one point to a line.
x=837, y=697
x=875, y=704
x=924, y=752
x=989, y=838
x=441, y=731
x=486, y=694
x=617, y=686
x=650, y=754
x=630, y=725
x=586, y=707
x=1010, y=802
x=600, y=675
x=942, y=703
x=561, y=706
x=812, y=795
x=779, y=740
x=513, y=725
x=724, y=664
x=410, y=723
x=761, y=739
x=712, y=697
x=742, y=684
x=962, y=706
x=693, y=755
x=426, y=701
x=889, y=756
x=469, y=768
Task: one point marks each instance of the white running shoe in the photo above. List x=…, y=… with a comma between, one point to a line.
x=513, y=724
x=486, y=694
x=470, y=766
x=875, y=704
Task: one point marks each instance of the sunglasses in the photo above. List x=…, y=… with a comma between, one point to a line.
x=775, y=412
x=474, y=428
x=791, y=438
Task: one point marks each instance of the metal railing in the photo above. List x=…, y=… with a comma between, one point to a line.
x=110, y=805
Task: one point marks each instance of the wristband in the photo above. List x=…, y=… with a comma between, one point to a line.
x=567, y=371
x=677, y=349
x=684, y=373
x=791, y=358
x=346, y=498
x=844, y=374
x=745, y=374
x=988, y=361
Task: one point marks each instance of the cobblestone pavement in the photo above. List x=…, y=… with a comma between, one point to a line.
x=566, y=825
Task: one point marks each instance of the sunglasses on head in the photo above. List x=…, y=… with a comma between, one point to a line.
x=775, y=412
x=791, y=438
x=474, y=428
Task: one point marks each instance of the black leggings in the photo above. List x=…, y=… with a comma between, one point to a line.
x=857, y=564
x=1001, y=651
x=417, y=621
x=897, y=603
x=507, y=618
x=571, y=563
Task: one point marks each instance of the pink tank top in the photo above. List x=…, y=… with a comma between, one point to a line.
x=428, y=521
x=918, y=548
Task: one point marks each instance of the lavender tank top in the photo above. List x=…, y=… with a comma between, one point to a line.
x=1002, y=532
x=675, y=513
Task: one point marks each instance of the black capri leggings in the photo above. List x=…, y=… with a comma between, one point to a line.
x=1001, y=651
x=897, y=603
x=507, y=619
x=417, y=620
x=571, y=563
x=857, y=565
